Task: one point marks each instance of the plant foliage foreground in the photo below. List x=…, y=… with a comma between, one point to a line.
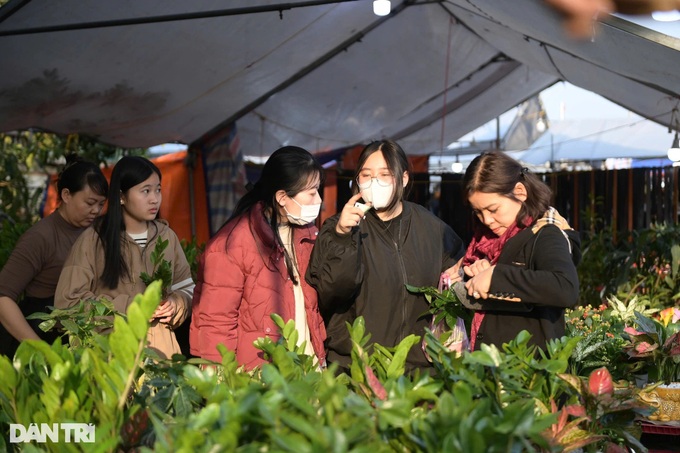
x=515, y=399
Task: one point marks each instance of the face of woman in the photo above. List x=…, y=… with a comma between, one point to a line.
x=299, y=208
x=496, y=211
x=376, y=181
x=82, y=207
x=309, y=195
x=141, y=204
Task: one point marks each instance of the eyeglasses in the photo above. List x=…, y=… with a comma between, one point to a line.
x=383, y=179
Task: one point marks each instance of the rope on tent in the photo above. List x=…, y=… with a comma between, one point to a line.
x=446, y=89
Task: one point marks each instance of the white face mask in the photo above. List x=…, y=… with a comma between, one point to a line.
x=379, y=195
x=308, y=213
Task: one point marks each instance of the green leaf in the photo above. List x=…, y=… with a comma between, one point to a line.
x=138, y=322
x=488, y=356
x=43, y=348
x=207, y=417
x=124, y=343
x=288, y=328
x=398, y=364
x=301, y=425
x=148, y=302
x=9, y=376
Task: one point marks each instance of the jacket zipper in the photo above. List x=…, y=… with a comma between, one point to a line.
x=403, y=286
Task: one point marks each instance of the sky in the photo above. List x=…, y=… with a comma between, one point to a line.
x=564, y=101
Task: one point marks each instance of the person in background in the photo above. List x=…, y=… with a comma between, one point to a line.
x=521, y=262
x=33, y=268
x=363, y=260
x=108, y=259
x=255, y=265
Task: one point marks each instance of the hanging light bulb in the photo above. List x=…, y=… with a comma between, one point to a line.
x=540, y=125
x=381, y=7
x=457, y=167
x=674, y=150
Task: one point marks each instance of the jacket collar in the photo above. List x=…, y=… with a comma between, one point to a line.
x=154, y=229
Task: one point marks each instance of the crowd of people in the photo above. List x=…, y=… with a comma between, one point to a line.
x=517, y=273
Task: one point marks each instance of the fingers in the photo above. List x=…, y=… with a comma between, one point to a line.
x=350, y=216
x=354, y=199
x=477, y=267
x=165, y=311
x=480, y=285
x=456, y=272
x=474, y=291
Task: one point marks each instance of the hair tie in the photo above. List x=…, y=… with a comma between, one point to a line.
x=524, y=171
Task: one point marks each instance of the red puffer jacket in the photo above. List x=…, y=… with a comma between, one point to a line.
x=242, y=279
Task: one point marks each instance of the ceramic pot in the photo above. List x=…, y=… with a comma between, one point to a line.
x=665, y=399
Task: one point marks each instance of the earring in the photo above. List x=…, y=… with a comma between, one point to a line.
x=121, y=202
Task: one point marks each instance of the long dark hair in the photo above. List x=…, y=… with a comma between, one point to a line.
x=127, y=173
x=78, y=174
x=496, y=172
x=397, y=163
x=289, y=169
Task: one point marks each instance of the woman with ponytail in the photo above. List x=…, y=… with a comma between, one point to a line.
x=29, y=278
x=520, y=267
x=255, y=265
x=108, y=259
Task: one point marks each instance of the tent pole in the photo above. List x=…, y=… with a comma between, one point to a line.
x=498, y=133
x=191, y=165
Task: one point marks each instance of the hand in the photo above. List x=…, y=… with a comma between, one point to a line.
x=561, y=221
x=455, y=272
x=350, y=216
x=478, y=286
x=580, y=15
x=476, y=267
x=165, y=311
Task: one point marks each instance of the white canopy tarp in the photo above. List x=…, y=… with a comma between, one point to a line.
x=595, y=140
x=317, y=74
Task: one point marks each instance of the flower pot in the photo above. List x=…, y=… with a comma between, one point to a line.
x=641, y=380
x=665, y=399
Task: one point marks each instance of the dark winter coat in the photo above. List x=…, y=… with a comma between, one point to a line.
x=365, y=273
x=538, y=269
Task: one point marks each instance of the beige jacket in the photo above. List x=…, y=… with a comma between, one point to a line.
x=80, y=279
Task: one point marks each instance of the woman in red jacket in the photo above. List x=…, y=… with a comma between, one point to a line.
x=253, y=266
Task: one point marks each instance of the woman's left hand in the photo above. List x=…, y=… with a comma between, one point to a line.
x=478, y=286
x=476, y=267
x=166, y=310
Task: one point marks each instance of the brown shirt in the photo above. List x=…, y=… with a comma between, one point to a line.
x=36, y=262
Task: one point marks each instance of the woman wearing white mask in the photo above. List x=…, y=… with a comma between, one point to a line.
x=363, y=260
x=255, y=265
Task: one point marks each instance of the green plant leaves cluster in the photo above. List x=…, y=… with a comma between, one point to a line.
x=162, y=269
x=488, y=400
x=88, y=383
x=643, y=263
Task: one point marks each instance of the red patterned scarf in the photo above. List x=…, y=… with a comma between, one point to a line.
x=486, y=245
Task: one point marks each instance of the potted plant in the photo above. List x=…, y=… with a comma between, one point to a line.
x=656, y=345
